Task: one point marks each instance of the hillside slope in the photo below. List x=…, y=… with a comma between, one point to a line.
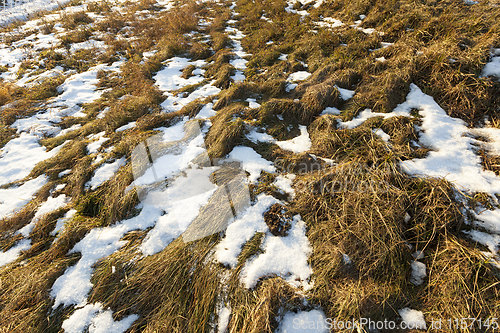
x=251, y=166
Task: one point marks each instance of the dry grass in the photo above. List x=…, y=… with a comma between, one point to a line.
x=226, y=131
x=359, y=211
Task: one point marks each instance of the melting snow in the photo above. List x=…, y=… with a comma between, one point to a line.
x=330, y=110
x=73, y=286
x=284, y=182
x=452, y=156
x=298, y=76
x=252, y=162
x=104, y=172
x=13, y=253
x=252, y=103
x=276, y=258
x=97, y=320
x=169, y=78
x=12, y=199
x=126, y=127
x=224, y=314
x=81, y=88
x=383, y=135
x=94, y=146
x=414, y=319
x=242, y=229
x=60, y=222
x=493, y=67
x=313, y=321
x=48, y=206
x=298, y=144
x=182, y=202
x=418, y=272
x=330, y=22
x=20, y=155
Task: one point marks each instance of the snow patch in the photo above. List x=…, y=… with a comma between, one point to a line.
x=104, y=172
x=298, y=144
x=313, y=321
x=414, y=319
x=276, y=258
x=252, y=162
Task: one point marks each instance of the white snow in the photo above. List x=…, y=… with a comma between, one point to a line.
x=291, y=86
x=492, y=68
x=252, y=104
x=64, y=173
x=12, y=199
x=44, y=123
x=28, y=9
x=206, y=112
x=126, y=127
x=175, y=159
x=418, y=272
x=491, y=241
x=67, y=130
x=81, y=318
x=73, y=286
x=298, y=144
x=20, y=155
x=489, y=219
x=365, y=115
x=169, y=78
x=175, y=103
x=330, y=22
x=284, y=182
x=256, y=136
x=383, y=135
x=313, y=321
x=452, y=156
x=331, y=110
x=242, y=229
x=60, y=187
x=88, y=44
x=96, y=320
x=182, y=202
x=413, y=318
x=252, y=162
x=239, y=62
x=104, y=172
x=93, y=147
x=298, y=76
x=223, y=321
x=81, y=88
x=60, y=222
x=33, y=80
x=345, y=94
x=104, y=323
x=48, y=206
x=276, y=258
x=13, y=253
